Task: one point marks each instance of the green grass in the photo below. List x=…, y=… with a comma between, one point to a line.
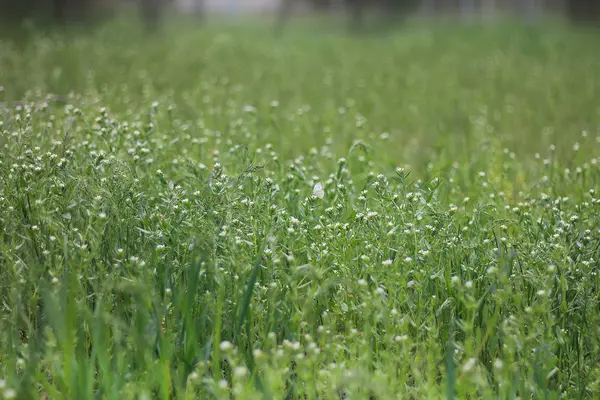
x=159, y=238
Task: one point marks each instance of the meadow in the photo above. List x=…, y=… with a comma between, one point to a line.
x=161, y=236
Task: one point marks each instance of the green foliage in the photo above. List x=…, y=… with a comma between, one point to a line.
x=160, y=238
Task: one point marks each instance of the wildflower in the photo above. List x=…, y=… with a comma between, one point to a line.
x=226, y=346
x=194, y=376
x=469, y=365
x=401, y=338
x=240, y=372
x=257, y=353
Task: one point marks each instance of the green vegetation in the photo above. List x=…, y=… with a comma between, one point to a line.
x=160, y=239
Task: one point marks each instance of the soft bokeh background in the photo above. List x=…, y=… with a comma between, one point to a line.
x=64, y=11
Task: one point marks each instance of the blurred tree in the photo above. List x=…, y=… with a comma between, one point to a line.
x=151, y=12
x=393, y=10
x=59, y=11
x=74, y=11
x=585, y=11
x=11, y=11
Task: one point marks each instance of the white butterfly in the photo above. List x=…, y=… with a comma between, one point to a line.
x=318, y=190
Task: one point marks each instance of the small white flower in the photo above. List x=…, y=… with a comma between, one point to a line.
x=400, y=338
x=240, y=372
x=469, y=365
x=194, y=376
x=226, y=346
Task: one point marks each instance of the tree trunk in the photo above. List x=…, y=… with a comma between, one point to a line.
x=151, y=11
x=60, y=11
x=584, y=11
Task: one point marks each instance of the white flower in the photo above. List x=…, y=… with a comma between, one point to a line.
x=194, y=376
x=225, y=346
x=257, y=353
x=240, y=371
x=400, y=338
x=469, y=365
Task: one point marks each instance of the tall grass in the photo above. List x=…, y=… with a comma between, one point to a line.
x=160, y=238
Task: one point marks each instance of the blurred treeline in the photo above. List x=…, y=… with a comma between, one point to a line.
x=65, y=12
x=151, y=11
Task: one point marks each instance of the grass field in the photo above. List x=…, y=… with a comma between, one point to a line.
x=160, y=237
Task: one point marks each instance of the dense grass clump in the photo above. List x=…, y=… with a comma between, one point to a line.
x=160, y=237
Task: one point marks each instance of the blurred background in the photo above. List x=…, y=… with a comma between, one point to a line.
x=152, y=11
